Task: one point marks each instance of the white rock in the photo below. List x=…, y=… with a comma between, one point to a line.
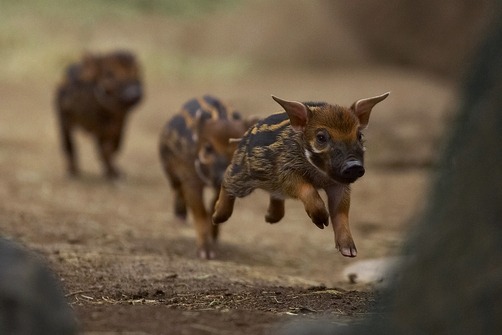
x=372, y=271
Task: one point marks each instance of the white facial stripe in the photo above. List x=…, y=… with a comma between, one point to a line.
x=200, y=173
x=308, y=155
x=315, y=150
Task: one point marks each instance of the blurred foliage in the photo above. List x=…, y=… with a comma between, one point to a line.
x=39, y=38
x=172, y=7
x=79, y=9
x=195, y=39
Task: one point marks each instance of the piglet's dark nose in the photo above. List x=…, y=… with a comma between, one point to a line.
x=132, y=93
x=353, y=169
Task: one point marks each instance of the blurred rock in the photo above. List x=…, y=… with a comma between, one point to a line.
x=31, y=300
x=435, y=36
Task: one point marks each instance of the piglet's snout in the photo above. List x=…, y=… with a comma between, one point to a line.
x=131, y=93
x=352, y=169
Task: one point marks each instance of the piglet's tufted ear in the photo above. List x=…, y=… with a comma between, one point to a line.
x=298, y=113
x=362, y=108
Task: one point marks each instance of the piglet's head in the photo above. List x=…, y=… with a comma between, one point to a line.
x=117, y=79
x=332, y=135
x=215, y=146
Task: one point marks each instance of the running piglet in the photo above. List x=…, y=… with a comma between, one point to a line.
x=195, y=148
x=312, y=146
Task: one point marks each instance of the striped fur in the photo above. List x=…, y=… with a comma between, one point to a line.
x=310, y=146
x=195, y=151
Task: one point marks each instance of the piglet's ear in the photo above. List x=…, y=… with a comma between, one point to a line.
x=298, y=113
x=362, y=108
x=89, y=68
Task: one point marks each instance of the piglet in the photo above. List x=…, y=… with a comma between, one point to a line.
x=312, y=146
x=96, y=95
x=195, y=149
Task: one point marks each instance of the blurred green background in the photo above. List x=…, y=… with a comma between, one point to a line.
x=197, y=39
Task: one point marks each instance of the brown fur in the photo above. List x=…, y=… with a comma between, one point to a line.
x=312, y=146
x=195, y=151
x=96, y=95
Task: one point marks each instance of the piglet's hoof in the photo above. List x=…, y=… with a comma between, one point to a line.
x=348, y=251
x=220, y=217
x=206, y=253
x=320, y=218
x=273, y=217
x=114, y=174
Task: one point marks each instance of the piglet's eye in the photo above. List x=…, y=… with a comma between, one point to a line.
x=360, y=136
x=208, y=149
x=321, y=138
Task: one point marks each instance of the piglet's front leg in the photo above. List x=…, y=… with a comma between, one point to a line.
x=314, y=206
x=339, y=204
x=106, y=152
x=224, y=206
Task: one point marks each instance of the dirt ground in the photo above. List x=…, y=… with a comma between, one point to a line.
x=128, y=268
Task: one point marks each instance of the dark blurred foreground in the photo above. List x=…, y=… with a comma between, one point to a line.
x=453, y=283
x=31, y=299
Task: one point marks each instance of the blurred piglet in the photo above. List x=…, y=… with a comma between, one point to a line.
x=96, y=94
x=195, y=149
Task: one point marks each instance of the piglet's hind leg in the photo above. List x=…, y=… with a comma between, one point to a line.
x=275, y=210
